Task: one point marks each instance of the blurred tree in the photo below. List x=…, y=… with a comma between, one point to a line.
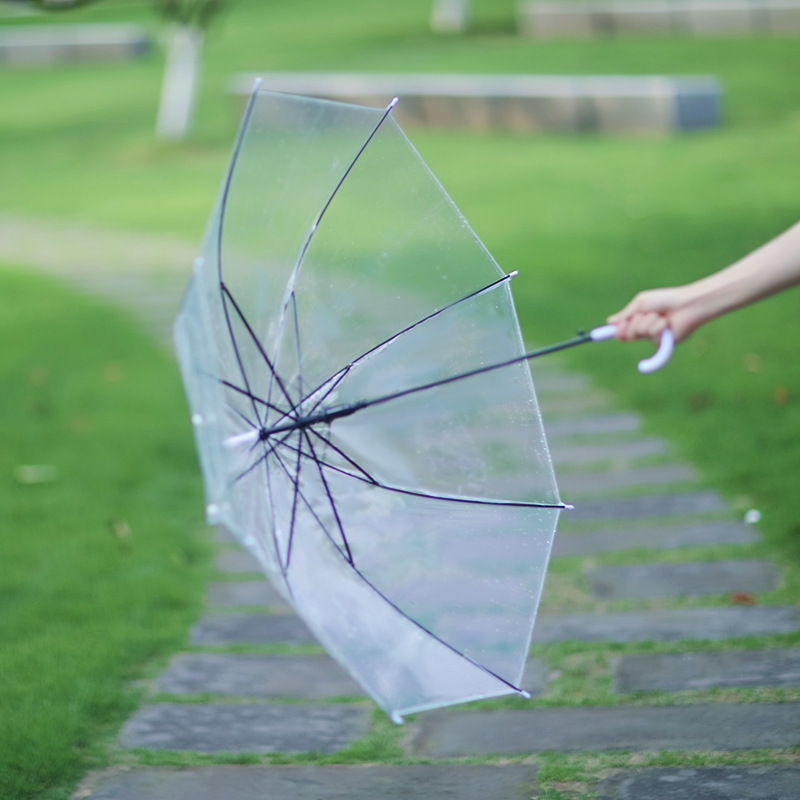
x=60, y=5
x=181, y=82
x=190, y=19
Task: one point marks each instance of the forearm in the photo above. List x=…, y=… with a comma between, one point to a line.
x=770, y=269
x=773, y=267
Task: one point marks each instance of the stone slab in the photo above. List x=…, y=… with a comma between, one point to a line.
x=705, y=726
x=566, y=453
x=614, y=582
x=222, y=629
x=237, y=561
x=649, y=505
x=603, y=103
x=784, y=16
x=740, y=782
x=310, y=677
x=243, y=593
x=667, y=625
x=657, y=537
x=339, y=782
x=647, y=17
x=243, y=728
x=680, y=671
x=610, y=480
x=46, y=44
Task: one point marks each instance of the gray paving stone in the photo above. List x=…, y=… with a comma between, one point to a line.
x=236, y=560
x=555, y=406
x=339, y=782
x=565, y=453
x=650, y=505
x=221, y=629
x=311, y=677
x=558, y=382
x=609, y=480
x=243, y=728
x=667, y=625
x=740, y=782
x=657, y=537
x=679, y=671
x=243, y=593
x=617, y=422
x=706, y=726
x=614, y=582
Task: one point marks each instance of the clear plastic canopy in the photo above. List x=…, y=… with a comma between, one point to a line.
x=407, y=521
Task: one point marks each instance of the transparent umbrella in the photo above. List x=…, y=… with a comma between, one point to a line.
x=364, y=413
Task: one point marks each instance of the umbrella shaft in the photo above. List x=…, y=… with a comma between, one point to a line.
x=337, y=412
x=300, y=423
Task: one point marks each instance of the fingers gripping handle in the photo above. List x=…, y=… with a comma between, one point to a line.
x=646, y=365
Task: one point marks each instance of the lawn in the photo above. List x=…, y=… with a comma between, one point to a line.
x=587, y=220
x=103, y=548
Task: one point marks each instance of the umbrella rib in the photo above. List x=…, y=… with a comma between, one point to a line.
x=223, y=207
x=264, y=456
x=273, y=527
x=430, y=633
x=338, y=186
x=273, y=372
x=296, y=495
x=318, y=220
x=369, y=479
x=237, y=353
x=245, y=393
x=346, y=410
x=329, y=493
x=311, y=510
x=477, y=501
x=336, y=379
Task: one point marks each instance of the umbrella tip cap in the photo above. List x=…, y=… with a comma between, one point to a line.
x=398, y=719
x=513, y=273
x=394, y=102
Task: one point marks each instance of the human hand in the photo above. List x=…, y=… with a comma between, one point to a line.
x=653, y=311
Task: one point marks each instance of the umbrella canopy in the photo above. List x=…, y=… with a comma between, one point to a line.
x=338, y=342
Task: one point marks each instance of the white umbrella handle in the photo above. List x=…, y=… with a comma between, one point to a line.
x=646, y=365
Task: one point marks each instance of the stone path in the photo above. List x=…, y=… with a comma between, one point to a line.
x=677, y=649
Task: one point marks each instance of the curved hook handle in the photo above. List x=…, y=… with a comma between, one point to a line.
x=646, y=365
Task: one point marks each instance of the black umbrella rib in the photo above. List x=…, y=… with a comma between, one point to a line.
x=248, y=112
x=331, y=414
x=245, y=393
x=329, y=443
x=252, y=334
x=311, y=510
x=223, y=207
x=371, y=481
x=338, y=186
x=265, y=455
x=430, y=633
x=329, y=494
x=295, y=498
x=318, y=220
x=339, y=376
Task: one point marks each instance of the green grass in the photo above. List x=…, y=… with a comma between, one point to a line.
x=588, y=221
x=103, y=551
